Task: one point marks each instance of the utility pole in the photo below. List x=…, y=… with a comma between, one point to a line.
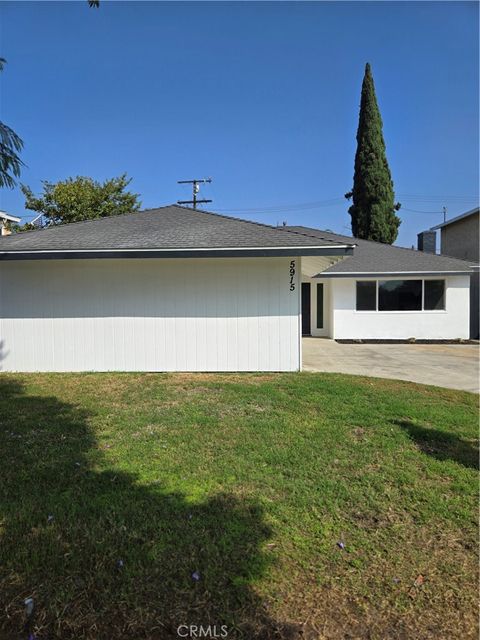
x=444, y=214
x=195, y=189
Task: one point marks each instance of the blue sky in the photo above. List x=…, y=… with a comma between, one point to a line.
x=263, y=97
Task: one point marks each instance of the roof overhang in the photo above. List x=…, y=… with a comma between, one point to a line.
x=462, y=216
x=7, y=216
x=391, y=274
x=227, y=252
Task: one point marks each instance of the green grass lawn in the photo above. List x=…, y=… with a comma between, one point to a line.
x=118, y=490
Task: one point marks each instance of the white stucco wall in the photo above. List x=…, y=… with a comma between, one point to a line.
x=234, y=314
x=450, y=324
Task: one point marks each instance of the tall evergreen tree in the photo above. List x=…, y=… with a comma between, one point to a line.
x=373, y=209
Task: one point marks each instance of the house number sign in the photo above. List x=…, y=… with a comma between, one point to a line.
x=292, y=275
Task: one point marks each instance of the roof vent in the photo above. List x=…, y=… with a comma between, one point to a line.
x=427, y=241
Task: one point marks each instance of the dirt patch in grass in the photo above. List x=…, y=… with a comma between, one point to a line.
x=384, y=599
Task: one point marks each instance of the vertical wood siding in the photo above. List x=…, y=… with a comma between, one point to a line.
x=235, y=314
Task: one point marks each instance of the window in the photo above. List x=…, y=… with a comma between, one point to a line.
x=399, y=295
x=366, y=295
x=319, y=305
x=434, y=297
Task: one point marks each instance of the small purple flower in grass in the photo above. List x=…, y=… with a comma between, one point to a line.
x=196, y=576
x=340, y=544
x=50, y=519
x=31, y=636
x=120, y=564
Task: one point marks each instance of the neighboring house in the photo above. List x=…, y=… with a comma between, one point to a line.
x=173, y=289
x=5, y=221
x=460, y=238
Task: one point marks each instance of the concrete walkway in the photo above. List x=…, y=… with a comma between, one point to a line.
x=455, y=366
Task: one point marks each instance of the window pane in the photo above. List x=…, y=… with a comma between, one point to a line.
x=400, y=295
x=319, y=305
x=366, y=295
x=434, y=294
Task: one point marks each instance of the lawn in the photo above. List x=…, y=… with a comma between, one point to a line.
x=282, y=506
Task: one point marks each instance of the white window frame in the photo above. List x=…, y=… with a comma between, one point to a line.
x=422, y=310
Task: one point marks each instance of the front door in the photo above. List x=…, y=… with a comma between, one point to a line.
x=306, y=329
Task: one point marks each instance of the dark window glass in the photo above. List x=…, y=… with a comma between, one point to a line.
x=319, y=305
x=434, y=295
x=400, y=295
x=366, y=295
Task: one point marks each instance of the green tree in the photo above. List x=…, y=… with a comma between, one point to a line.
x=373, y=209
x=82, y=198
x=10, y=145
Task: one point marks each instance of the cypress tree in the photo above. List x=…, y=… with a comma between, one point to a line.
x=373, y=209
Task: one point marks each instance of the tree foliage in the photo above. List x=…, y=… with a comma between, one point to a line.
x=10, y=146
x=373, y=209
x=82, y=198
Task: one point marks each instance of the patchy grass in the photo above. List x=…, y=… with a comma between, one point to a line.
x=116, y=488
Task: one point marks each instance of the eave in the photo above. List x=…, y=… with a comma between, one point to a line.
x=227, y=252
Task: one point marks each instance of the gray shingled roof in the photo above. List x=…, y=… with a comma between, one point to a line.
x=170, y=227
x=376, y=258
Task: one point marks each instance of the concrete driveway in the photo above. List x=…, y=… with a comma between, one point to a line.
x=455, y=366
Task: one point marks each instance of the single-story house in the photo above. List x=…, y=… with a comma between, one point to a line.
x=175, y=289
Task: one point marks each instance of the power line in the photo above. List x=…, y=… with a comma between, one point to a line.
x=437, y=213
x=436, y=198
x=333, y=201
x=288, y=207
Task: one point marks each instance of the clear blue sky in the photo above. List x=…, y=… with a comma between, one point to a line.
x=263, y=97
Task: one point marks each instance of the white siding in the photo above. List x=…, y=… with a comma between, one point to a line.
x=450, y=324
x=218, y=314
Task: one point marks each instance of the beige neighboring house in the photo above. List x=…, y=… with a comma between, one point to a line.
x=5, y=221
x=460, y=238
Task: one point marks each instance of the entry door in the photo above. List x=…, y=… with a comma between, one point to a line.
x=306, y=328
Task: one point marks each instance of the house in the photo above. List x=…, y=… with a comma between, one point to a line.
x=5, y=221
x=460, y=238
x=174, y=289
x=168, y=289
x=384, y=292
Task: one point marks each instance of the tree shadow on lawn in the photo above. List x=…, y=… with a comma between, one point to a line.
x=441, y=445
x=104, y=557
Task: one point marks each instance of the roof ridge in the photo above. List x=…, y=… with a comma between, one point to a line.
x=260, y=224
x=167, y=206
